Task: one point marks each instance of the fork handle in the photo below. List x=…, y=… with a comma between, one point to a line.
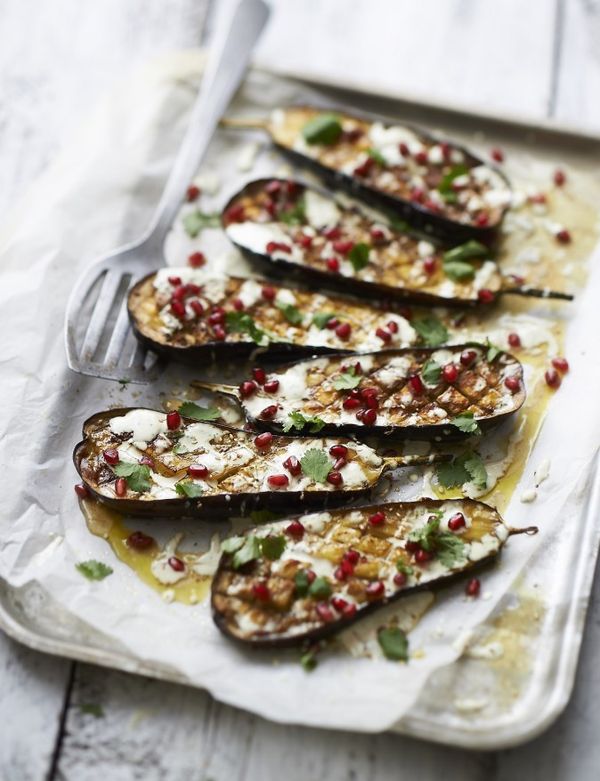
x=227, y=60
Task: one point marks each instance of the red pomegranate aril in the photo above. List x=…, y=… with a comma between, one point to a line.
x=377, y=518
x=423, y=556
x=270, y=207
x=404, y=150
x=332, y=233
x=278, y=481
x=259, y=375
x=343, y=331
x=173, y=420
x=377, y=234
x=176, y=564
x=375, y=589
x=263, y=441
x=450, y=373
x=238, y=304
x=339, y=604
x=421, y=158
x=364, y=168
x=197, y=307
x=514, y=340
x=147, y=461
x=192, y=192
x=343, y=247
x=559, y=177
x=178, y=294
x=216, y=318
x=339, y=573
x=485, y=296
x=260, y=591
x=196, y=259
x=338, y=451
x=482, y=219
x=473, y=587
x=139, y=541
x=372, y=401
x=351, y=403
x=497, y=155
x=561, y=364
x=175, y=281
x=353, y=556
x=552, y=378
x=384, y=335
x=310, y=575
x=429, y=265
x=111, y=456
x=324, y=612
x=272, y=386
x=273, y=187
x=417, y=194
x=268, y=292
x=467, y=357
x=400, y=579
x=219, y=333
x=333, y=264
x=291, y=188
x=81, y=490
x=369, y=417
x=120, y=486
x=292, y=465
x=537, y=198
x=392, y=327
x=295, y=529
x=415, y=383
x=456, y=522
x=563, y=236
x=513, y=384
x=235, y=213
x=433, y=206
x=304, y=241
x=412, y=547
x=247, y=389
x=347, y=566
x=274, y=246
x=335, y=477
x=197, y=471
x=268, y=413
x=178, y=308
x=339, y=464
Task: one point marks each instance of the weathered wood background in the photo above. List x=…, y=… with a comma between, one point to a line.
x=540, y=58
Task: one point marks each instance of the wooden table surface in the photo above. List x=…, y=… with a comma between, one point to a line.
x=61, y=720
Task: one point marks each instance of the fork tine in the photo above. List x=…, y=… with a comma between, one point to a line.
x=106, y=296
x=119, y=334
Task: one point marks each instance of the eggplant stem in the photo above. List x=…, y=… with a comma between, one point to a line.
x=215, y=387
x=244, y=124
x=530, y=530
x=534, y=292
x=394, y=462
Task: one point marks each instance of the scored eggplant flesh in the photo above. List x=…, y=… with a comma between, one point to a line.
x=225, y=313
x=410, y=393
x=432, y=183
x=305, y=231
x=360, y=566
x=238, y=467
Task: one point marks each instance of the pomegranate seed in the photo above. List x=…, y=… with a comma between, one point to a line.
x=238, y=304
x=339, y=604
x=295, y=529
x=111, y=456
x=273, y=246
x=559, y=177
x=513, y=384
x=433, y=206
x=268, y=292
x=357, y=368
x=147, y=461
x=235, y=213
x=260, y=591
x=392, y=327
x=384, y=335
x=372, y=401
x=139, y=541
x=497, y=155
x=482, y=219
x=561, y=364
x=552, y=378
x=259, y=375
x=173, y=420
x=364, y=168
x=273, y=187
x=351, y=403
x=219, y=333
x=175, y=281
x=310, y=575
x=429, y=265
x=456, y=522
x=450, y=373
x=81, y=490
x=192, y=192
x=343, y=247
x=343, y=331
x=176, y=564
x=216, y=318
x=400, y=579
x=338, y=451
x=278, y=481
x=263, y=441
x=196, y=259
x=192, y=289
x=178, y=308
x=272, y=386
x=269, y=412
x=333, y=264
x=332, y=233
x=339, y=464
x=291, y=187
x=197, y=471
x=537, y=198
x=473, y=587
x=417, y=194
x=292, y=465
x=421, y=158
x=563, y=236
x=271, y=207
x=423, y=556
x=369, y=417
x=304, y=241
x=324, y=611
x=377, y=518
x=179, y=293
x=415, y=383
x=247, y=388
x=467, y=357
x=404, y=150
x=375, y=589
x=514, y=340
x=335, y=478
x=197, y=307
x=485, y=296
x=412, y=547
x=377, y=234
x=340, y=573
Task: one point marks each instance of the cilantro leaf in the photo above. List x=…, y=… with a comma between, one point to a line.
x=466, y=423
x=431, y=372
x=320, y=588
x=403, y=567
x=431, y=330
x=476, y=469
x=291, y=313
x=471, y=249
x=94, y=570
x=393, y=643
x=189, y=409
x=316, y=465
x=425, y=534
x=458, y=270
x=450, y=549
x=376, y=155
x=189, y=489
x=492, y=351
x=136, y=475
x=302, y=583
x=298, y=421
x=359, y=256
x=347, y=380
x=296, y=215
x=197, y=221
x=445, y=186
x=249, y=551
x=322, y=129
x=308, y=661
x=322, y=318
x=465, y=468
x=231, y=544
x=272, y=546
x=243, y=323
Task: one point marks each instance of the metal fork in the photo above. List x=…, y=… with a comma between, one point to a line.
x=99, y=339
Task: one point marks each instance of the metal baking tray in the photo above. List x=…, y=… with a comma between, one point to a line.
x=532, y=697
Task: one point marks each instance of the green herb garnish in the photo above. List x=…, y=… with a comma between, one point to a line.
x=445, y=187
x=243, y=323
x=461, y=470
x=197, y=221
x=471, y=249
x=425, y=534
x=492, y=351
x=248, y=551
x=431, y=330
x=458, y=270
x=320, y=588
x=308, y=661
x=298, y=421
x=431, y=373
x=347, y=380
x=190, y=409
x=322, y=318
x=272, y=546
x=403, y=567
x=296, y=215
x=94, y=570
x=291, y=313
x=316, y=465
x=393, y=643
x=376, y=155
x=322, y=129
x=449, y=548
x=250, y=547
x=302, y=583
x=189, y=489
x=136, y=475
x=359, y=256
x=466, y=423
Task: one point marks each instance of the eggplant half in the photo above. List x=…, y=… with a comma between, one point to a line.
x=148, y=463
x=188, y=314
x=428, y=393
x=290, y=228
x=288, y=583
x=434, y=184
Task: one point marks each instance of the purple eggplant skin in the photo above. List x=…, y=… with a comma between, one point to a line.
x=214, y=507
x=331, y=628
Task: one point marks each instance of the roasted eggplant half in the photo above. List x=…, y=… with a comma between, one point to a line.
x=149, y=463
x=290, y=228
x=429, y=393
x=290, y=582
x=436, y=185
x=187, y=314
